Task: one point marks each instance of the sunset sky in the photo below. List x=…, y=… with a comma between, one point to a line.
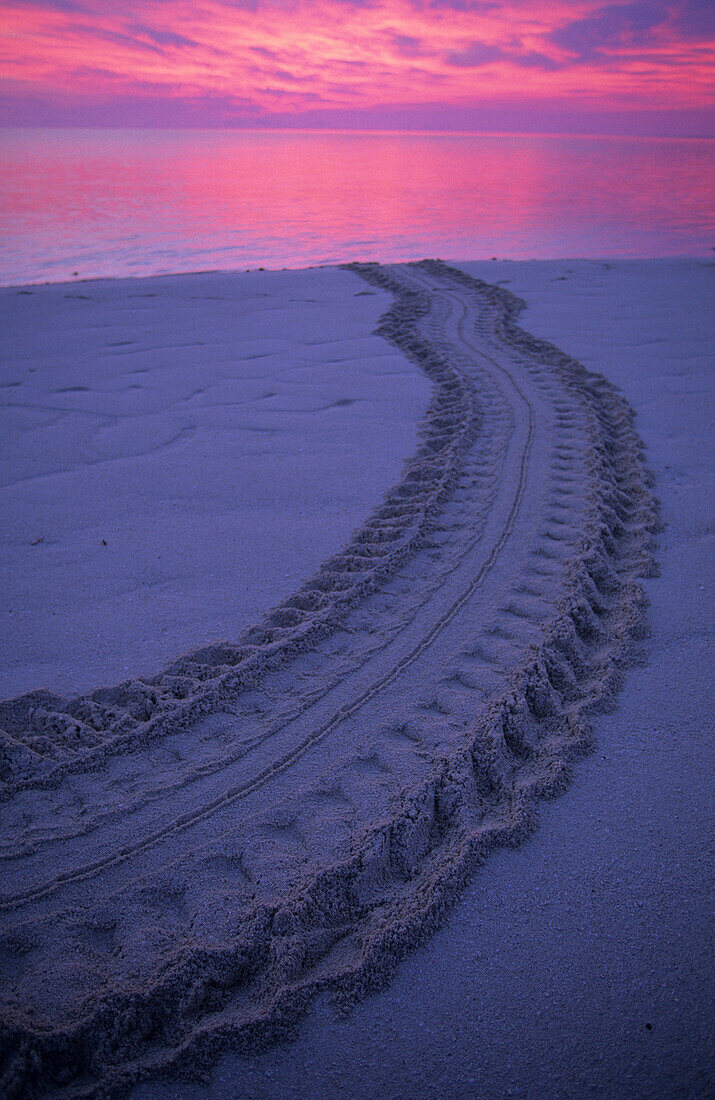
x=550, y=65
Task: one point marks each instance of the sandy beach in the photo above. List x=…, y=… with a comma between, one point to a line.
x=321, y=586
x=180, y=454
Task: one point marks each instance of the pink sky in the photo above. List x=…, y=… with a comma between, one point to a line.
x=574, y=65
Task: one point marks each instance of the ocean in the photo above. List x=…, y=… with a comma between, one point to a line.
x=88, y=203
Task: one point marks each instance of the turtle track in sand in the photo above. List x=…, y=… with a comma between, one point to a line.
x=189, y=860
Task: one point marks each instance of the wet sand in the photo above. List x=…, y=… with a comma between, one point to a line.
x=331, y=781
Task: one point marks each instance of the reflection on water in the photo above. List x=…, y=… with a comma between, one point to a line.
x=99, y=202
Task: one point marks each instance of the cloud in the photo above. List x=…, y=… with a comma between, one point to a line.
x=696, y=19
x=70, y=6
x=474, y=55
x=407, y=45
x=477, y=54
x=360, y=55
x=617, y=26
x=457, y=5
x=535, y=60
x=162, y=37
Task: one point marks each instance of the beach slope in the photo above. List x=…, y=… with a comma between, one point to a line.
x=193, y=856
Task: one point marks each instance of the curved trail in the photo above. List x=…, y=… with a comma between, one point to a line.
x=205, y=851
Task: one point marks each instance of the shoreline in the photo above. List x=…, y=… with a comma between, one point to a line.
x=337, y=265
x=543, y=725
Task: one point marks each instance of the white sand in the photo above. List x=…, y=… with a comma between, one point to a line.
x=221, y=434
x=549, y=968
x=560, y=954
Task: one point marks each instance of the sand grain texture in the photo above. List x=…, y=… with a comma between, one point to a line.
x=192, y=857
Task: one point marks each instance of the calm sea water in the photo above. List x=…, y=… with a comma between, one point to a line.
x=95, y=202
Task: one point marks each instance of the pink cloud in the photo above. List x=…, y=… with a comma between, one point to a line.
x=256, y=60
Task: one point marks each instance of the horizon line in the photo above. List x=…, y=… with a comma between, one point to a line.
x=372, y=130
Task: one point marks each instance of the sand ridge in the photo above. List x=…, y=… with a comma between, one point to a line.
x=419, y=720
x=43, y=735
